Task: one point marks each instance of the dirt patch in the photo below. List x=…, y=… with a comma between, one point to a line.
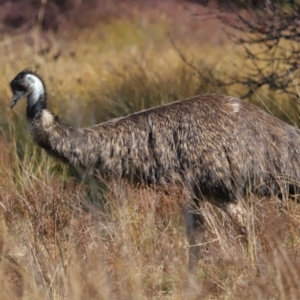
x=61, y=14
x=51, y=14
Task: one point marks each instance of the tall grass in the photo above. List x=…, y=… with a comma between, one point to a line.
x=55, y=243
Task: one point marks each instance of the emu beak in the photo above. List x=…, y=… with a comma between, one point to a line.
x=15, y=98
x=14, y=101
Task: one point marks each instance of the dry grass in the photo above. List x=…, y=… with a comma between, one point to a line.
x=56, y=243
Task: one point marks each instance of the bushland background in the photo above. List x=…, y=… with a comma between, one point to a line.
x=62, y=238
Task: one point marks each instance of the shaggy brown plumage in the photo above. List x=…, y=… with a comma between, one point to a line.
x=217, y=147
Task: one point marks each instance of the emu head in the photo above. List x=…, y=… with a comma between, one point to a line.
x=27, y=84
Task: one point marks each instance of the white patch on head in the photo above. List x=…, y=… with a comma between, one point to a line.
x=47, y=118
x=36, y=88
x=235, y=104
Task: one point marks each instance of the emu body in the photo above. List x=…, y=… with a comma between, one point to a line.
x=216, y=147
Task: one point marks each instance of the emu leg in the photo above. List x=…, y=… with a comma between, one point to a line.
x=238, y=214
x=194, y=230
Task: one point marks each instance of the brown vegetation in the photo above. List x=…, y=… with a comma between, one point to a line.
x=129, y=243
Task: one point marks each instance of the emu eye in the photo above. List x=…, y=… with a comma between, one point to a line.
x=22, y=87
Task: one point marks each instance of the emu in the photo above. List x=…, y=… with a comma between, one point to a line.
x=217, y=148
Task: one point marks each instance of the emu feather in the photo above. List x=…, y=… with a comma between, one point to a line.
x=217, y=147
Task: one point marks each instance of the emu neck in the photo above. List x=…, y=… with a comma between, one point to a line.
x=36, y=103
